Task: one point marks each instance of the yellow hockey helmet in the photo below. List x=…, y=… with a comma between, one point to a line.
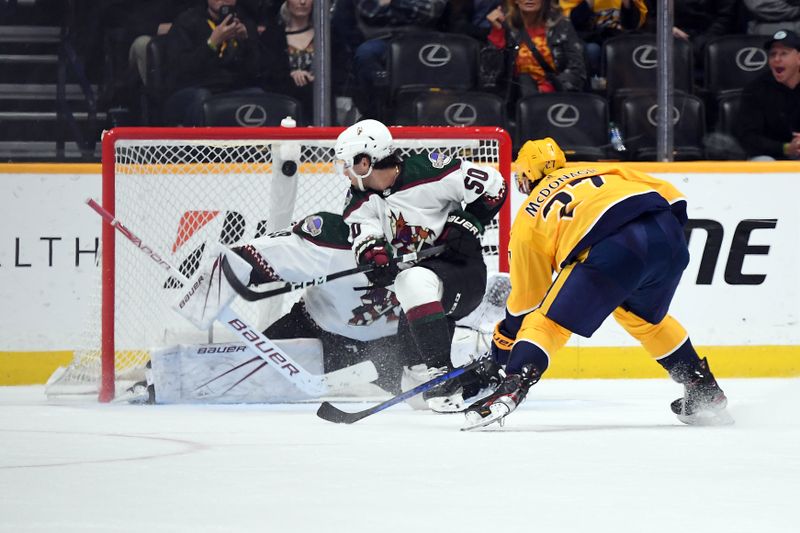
x=535, y=160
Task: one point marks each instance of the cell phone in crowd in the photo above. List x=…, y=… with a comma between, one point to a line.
x=224, y=11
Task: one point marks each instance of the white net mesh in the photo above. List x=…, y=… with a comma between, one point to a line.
x=176, y=195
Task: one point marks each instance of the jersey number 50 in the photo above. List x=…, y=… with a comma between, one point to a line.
x=474, y=178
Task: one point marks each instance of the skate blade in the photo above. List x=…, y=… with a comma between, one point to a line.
x=475, y=420
x=719, y=417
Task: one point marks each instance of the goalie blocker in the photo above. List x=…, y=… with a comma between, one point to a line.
x=209, y=292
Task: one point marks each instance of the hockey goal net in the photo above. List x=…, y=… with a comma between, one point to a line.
x=178, y=189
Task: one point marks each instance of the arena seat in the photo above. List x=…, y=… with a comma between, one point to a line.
x=727, y=112
x=723, y=143
x=461, y=108
x=155, y=83
x=638, y=119
x=251, y=111
x=577, y=121
x=732, y=61
x=421, y=61
x=630, y=63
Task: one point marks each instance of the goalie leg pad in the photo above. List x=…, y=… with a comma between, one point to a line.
x=225, y=373
x=208, y=291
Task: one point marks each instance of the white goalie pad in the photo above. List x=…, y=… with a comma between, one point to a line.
x=225, y=373
x=208, y=291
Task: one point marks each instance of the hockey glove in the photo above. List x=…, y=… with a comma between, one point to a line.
x=462, y=235
x=377, y=256
x=209, y=292
x=502, y=342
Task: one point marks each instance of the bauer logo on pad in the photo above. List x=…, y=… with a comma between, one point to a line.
x=438, y=159
x=313, y=225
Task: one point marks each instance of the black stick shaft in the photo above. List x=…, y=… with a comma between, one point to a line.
x=252, y=296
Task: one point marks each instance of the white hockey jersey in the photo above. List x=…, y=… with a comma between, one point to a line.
x=318, y=246
x=413, y=212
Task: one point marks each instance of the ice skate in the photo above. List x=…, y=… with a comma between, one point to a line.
x=140, y=393
x=447, y=397
x=482, y=381
x=703, y=402
x=506, y=398
x=450, y=396
x=443, y=399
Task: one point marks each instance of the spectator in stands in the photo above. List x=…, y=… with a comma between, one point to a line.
x=469, y=17
x=597, y=20
x=346, y=36
x=299, y=31
x=768, y=16
x=211, y=49
x=274, y=71
x=379, y=21
x=697, y=22
x=769, y=121
x=144, y=20
x=549, y=53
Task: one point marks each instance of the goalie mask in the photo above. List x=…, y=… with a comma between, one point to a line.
x=368, y=137
x=537, y=159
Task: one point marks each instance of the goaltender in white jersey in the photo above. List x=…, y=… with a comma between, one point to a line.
x=340, y=323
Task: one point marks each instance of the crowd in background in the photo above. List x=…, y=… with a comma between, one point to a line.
x=248, y=47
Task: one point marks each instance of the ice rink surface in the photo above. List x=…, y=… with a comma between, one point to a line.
x=588, y=456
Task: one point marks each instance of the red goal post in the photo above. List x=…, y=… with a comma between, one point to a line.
x=179, y=187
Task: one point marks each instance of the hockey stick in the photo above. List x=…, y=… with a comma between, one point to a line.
x=333, y=414
x=259, y=344
x=252, y=296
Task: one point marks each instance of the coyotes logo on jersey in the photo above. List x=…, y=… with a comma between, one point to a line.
x=377, y=302
x=407, y=238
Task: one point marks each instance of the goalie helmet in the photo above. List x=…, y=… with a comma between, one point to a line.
x=537, y=159
x=368, y=137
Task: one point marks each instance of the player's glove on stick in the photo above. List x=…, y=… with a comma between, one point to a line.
x=462, y=235
x=377, y=255
x=502, y=342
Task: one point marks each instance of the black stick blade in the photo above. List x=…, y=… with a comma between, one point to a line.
x=333, y=414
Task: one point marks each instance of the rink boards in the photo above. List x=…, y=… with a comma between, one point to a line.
x=739, y=298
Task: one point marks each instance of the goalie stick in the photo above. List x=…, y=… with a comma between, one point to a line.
x=331, y=413
x=253, y=296
x=259, y=344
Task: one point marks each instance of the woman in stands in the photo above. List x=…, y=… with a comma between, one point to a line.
x=549, y=56
x=299, y=29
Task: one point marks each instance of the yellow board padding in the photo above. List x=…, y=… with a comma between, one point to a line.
x=33, y=368
x=30, y=368
x=634, y=362
x=50, y=168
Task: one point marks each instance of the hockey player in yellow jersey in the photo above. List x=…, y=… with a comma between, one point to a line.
x=588, y=242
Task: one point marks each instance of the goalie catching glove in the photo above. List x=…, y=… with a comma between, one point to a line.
x=208, y=291
x=376, y=254
x=462, y=235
